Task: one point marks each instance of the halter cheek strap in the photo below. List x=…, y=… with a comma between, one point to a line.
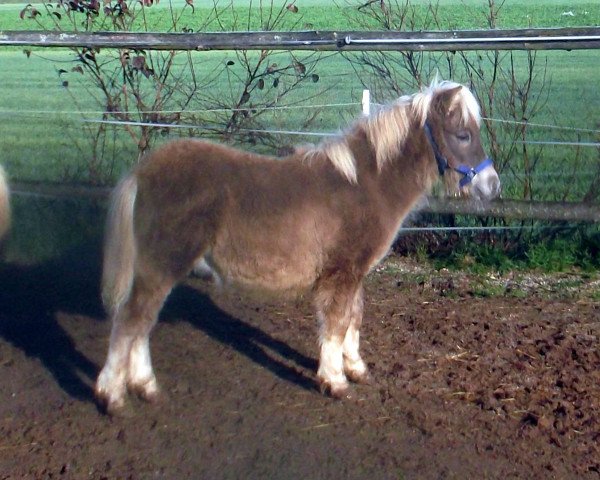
x=468, y=173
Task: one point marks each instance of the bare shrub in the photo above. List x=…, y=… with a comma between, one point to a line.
x=146, y=93
x=505, y=90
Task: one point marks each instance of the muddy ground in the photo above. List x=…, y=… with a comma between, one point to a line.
x=493, y=378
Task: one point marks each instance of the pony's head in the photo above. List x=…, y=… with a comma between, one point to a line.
x=447, y=114
x=452, y=127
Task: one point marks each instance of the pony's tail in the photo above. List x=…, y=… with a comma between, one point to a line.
x=119, y=246
x=4, y=204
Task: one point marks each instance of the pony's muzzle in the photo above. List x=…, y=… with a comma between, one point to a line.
x=486, y=184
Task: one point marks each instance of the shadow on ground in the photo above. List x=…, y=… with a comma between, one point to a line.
x=188, y=304
x=32, y=295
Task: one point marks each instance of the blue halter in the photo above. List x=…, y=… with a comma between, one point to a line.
x=468, y=173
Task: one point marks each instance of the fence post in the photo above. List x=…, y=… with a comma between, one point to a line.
x=366, y=103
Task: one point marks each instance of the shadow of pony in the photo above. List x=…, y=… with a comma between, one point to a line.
x=189, y=304
x=31, y=296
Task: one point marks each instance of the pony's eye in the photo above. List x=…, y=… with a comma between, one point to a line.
x=463, y=136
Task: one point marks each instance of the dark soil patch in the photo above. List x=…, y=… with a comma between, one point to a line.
x=465, y=386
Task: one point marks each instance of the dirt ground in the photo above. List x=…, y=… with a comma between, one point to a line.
x=468, y=384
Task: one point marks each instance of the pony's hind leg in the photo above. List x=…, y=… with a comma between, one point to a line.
x=128, y=362
x=141, y=379
x=354, y=366
x=110, y=385
x=334, y=310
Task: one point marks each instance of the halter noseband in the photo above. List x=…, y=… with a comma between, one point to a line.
x=468, y=173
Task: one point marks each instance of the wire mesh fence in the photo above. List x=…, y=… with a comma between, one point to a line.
x=57, y=128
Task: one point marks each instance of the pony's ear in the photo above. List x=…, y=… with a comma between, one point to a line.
x=444, y=100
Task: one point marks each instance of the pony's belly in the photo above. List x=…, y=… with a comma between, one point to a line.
x=277, y=254
x=260, y=273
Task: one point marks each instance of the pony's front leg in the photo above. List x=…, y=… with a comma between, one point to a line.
x=334, y=310
x=331, y=366
x=354, y=366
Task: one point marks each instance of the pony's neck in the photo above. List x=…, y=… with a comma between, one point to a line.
x=405, y=177
x=409, y=163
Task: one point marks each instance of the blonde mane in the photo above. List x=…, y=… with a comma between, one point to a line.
x=387, y=129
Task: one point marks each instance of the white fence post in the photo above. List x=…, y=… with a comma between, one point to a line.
x=366, y=103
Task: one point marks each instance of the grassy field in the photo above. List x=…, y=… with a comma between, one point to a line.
x=328, y=15
x=44, y=137
x=44, y=134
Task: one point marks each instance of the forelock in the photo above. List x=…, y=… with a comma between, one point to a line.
x=465, y=101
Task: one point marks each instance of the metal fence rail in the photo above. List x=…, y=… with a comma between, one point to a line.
x=517, y=39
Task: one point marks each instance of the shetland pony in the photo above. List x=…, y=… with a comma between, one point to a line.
x=317, y=221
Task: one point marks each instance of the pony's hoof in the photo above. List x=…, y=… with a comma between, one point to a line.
x=362, y=378
x=153, y=397
x=110, y=406
x=339, y=391
x=147, y=391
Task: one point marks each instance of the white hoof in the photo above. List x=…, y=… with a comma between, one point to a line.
x=147, y=390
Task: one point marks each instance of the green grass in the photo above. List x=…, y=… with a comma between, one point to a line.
x=43, y=131
x=579, y=249
x=44, y=138
x=325, y=15
x=33, y=85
